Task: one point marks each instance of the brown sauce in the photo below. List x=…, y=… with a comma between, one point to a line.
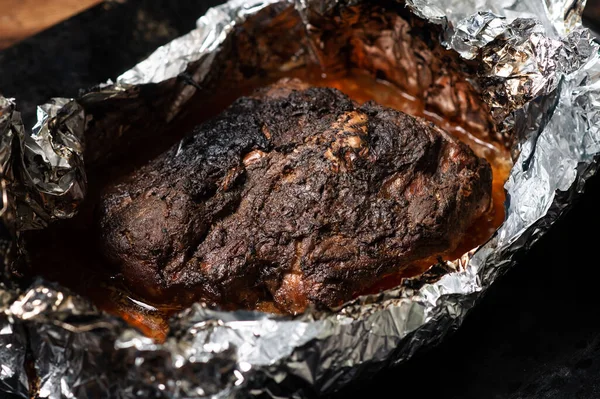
x=66, y=252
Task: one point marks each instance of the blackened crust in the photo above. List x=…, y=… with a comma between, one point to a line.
x=297, y=196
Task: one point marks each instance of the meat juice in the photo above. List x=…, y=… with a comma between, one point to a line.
x=73, y=260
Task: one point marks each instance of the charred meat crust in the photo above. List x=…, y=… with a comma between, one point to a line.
x=296, y=195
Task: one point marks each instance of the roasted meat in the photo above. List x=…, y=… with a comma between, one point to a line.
x=293, y=196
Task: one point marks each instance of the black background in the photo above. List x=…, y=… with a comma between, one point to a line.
x=535, y=334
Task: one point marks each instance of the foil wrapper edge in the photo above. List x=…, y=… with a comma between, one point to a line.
x=212, y=353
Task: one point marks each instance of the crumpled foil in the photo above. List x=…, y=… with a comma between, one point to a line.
x=539, y=73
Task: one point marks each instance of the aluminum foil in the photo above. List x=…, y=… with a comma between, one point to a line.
x=539, y=73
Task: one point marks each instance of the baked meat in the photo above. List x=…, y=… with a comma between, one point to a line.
x=294, y=196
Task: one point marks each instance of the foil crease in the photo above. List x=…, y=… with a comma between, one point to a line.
x=50, y=180
x=13, y=343
x=541, y=80
x=10, y=126
x=557, y=17
x=198, y=45
x=52, y=160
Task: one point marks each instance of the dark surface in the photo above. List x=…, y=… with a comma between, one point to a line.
x=96, y=45
x=536, y=334
x=294, y=196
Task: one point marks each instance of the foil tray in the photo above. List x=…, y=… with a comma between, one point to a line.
x=537, y=70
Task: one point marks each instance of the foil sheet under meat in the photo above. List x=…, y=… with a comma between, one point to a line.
x=538, y=71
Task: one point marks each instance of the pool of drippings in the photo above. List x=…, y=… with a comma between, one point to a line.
x=66, y=252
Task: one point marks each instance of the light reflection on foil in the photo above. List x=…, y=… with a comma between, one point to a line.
x=542, y=82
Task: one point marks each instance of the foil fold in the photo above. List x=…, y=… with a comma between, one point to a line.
x=541, y=80
x=52, y=160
